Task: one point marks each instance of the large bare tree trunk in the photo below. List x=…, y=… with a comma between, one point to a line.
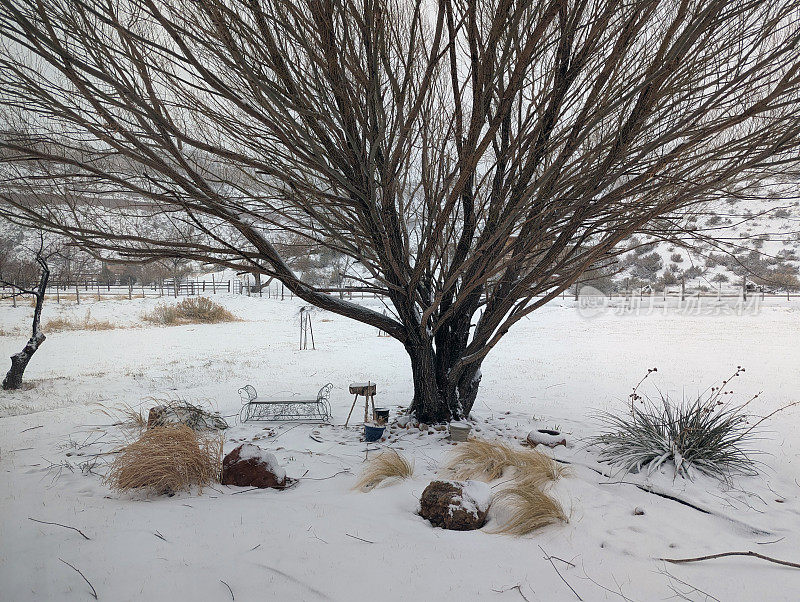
x=444, y=387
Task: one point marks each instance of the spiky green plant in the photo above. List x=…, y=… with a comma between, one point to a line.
x=707, y=433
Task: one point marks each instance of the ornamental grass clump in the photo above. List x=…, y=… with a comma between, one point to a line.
x=530, y=508
x=709, y=433
x=167, y=459
x=481, y=459
x=385, y=466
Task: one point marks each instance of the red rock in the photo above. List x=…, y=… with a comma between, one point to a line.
x=455, y=505
x=250, y=466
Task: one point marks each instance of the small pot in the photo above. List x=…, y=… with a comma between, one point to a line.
x=381, y=415
x=548, y=437
x=459, y=431
x=372, y=432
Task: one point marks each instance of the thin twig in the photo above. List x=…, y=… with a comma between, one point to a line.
x=94, y=591
x=325, y=478
x=359, y=538
x=158, y=534
x=245, y=490
x=44, y=522
x=31, y=428
x=550, y=558
x=694, y=588
x=763, y=543
x=229, y=589
x=722, y=554
x=517, y=587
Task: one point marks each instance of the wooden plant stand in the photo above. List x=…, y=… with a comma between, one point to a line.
x=366, y=389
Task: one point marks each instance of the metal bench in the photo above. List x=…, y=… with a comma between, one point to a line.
x=257, y=409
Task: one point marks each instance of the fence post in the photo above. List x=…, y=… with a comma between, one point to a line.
x=77, y=294
x=130, y=290
x=13, y=294
x=744, y=288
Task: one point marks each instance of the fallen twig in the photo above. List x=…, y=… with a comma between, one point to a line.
x=32, y=428
x=325, y=478
x=94, y=591
x=517, y=587
x=722, y=554
x=763, y=543
x=244, y=490
x=44, y=522
x=684, y=595
x=550, y=558
x=229, y=589
x=651, y=490
x=359, y=538
x=158, y=534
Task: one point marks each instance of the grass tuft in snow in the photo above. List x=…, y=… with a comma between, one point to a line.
x=389, y=464
x=530, y=508
x=707, y=433
x=165, y=460
x=130, y=417
x=192, y=310
x=62, y=324
x=481, y=459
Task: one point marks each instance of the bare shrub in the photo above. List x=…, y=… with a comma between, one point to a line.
x=389, y=464
x=167, y=459
x=192, y=310
x=62, y=324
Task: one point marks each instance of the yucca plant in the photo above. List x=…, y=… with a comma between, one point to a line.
x=707, y=433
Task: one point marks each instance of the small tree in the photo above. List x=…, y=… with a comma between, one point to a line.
x=19, y=361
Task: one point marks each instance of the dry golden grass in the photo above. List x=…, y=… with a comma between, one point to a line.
x=387, y=465
x=87, y=323
x=167, y=459
x=530, y=507
x=192, y=310
x=127, y=415
x=486, y=460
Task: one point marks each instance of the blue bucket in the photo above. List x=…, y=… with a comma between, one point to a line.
x=373, y=433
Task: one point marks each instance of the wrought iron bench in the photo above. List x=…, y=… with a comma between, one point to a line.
x=256, y=409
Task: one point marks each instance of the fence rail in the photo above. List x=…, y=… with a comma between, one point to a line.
x=77, y=290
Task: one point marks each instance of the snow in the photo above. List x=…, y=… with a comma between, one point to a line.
x=476, y=497
x=553, y=370
x=262, y=456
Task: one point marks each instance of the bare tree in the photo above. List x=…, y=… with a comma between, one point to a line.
x=468, y=155
x=19, y=361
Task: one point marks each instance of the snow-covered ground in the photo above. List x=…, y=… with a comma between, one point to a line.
x=308, y=543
